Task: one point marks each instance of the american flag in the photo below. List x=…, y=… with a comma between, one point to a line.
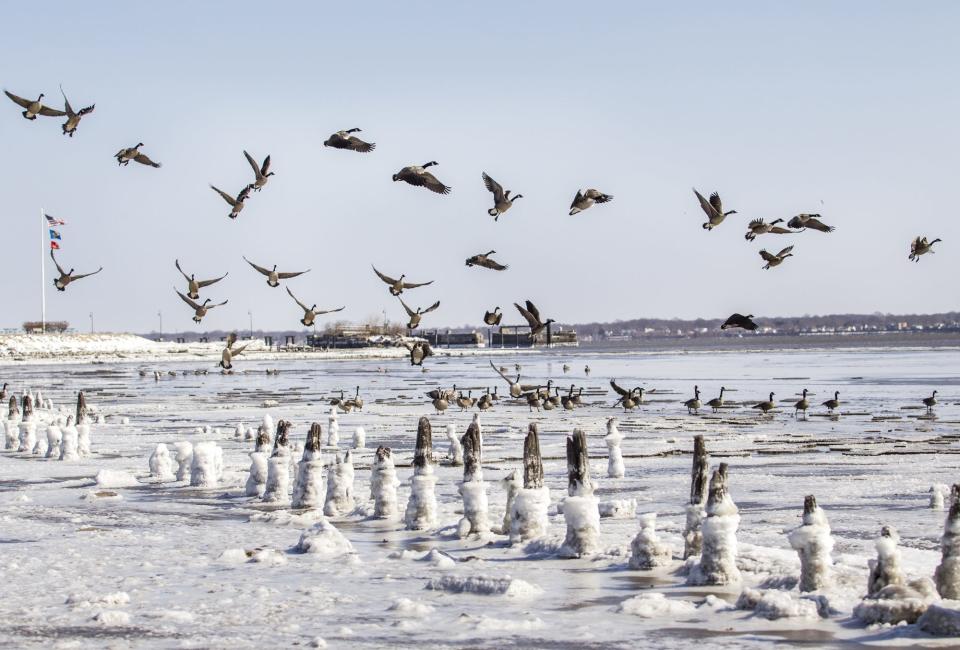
x=54, y=222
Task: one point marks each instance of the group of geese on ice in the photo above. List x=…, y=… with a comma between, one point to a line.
x=417, y=176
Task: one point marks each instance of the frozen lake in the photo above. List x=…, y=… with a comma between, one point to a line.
x=147, y=564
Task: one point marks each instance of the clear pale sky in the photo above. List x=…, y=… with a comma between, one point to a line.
x=847, y=109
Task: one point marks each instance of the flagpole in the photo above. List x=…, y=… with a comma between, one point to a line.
x=43, y=277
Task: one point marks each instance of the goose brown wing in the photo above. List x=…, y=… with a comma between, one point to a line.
x=25, y=103
x=297, y=300
x=494, y=187
x=291, y=274
x=207, y=283
x=385, y=278
x=187, y=300
x=259, y=268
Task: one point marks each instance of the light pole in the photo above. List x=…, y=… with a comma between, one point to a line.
x=91, y=322
x=160, y=315
x=250, y=314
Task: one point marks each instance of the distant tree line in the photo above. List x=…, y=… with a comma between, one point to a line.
x=58, y=326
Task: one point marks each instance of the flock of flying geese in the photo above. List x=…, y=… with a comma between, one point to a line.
x=419, y=176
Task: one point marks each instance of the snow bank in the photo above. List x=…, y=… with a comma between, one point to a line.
x=482, y=585
x=115, y=478
x=323, y=539
x=410, y=608
x=775, y=604
x=657, y=605
x=940, y=620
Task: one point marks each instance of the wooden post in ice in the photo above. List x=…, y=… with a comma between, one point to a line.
x=580, y=508
x=28, y=428
x=813, y=544
x=528, y=519
x=27, y=409
x=718, y=557
x=308, y=486
x=422, y=505
x=473, y=489
x=281, y=440
x=81, y=408
x=947, y=575
x=692, y=538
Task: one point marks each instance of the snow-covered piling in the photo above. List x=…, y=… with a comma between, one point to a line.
x=718, y=556
x=813, y=543
x=277, y=489
x=359, y=438
x=257, y=476
x=947, y=575
x=308, y=488
x=886, y=569
x=184, y=457
x=11, y=426
x=54, y=440
x=333, y=429
x=28, y=426
x=937, y=491
x=207, y=465
x=613, y=439
x=580, y=509
x=646, y=550
x=692, y=537
x=422, y=506
x=383, y=484
x=161, y=465
x=339, y=499
x=68, y=441
x=473, y=489
x=455, y=450
x=529, y=514
x=512, y=483
x=83, y=438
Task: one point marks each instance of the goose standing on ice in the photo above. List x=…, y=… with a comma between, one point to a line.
x=833, y=404
x=804, y=221
x=418, y=176
x=920, y=246
x=73, y=117
x=67, y=277
x=494, y=317
x=584, y=200
x=802, y=405
x=775, y=260
x=344, y=140
x=693, y=405
x=34, y=108
x=261, y=173
x=124, y=156
x=484, y=260
x=199, y=309
x=930, y=402
x=738, y=320
x=236, y=204
x=194, y=285
x=415, y=316
x=766, y=406
x=717, y=402
x=760, y=227
x=713, y=209
x=532, y=316
x=397, y=286
x=274, y=276
x=310, y=313
x=502, y=201
x=229, y=352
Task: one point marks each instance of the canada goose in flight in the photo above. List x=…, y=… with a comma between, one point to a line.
x=73, y=117
x=502, y=201
x=418, y=176
x=124, y=156
x=741, y=321
x=516, y=390
x=343, y=140
x=493, y=318
x=236, y=204
x=802, y=405
x=760, y=227
x=261, y=172
x=693, y=405
x=194, y=285
x=833, y=404
x=68, y=277
x=775, y=260
x=34, y=108
x=532, y=315
x=397, y=286
x=717, y=402
x=229, y=352
x=930, y=402
x=199, y=309
x=310, y=313
x=713, y=209
x=483, y=259
x=920, y=246
x=419, y=351
x=584, y=200
x=803, y=221
x=274, y=276
x=766, y=406
x=415, y=316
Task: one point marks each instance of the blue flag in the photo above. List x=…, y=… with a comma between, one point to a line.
x=54, y=234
